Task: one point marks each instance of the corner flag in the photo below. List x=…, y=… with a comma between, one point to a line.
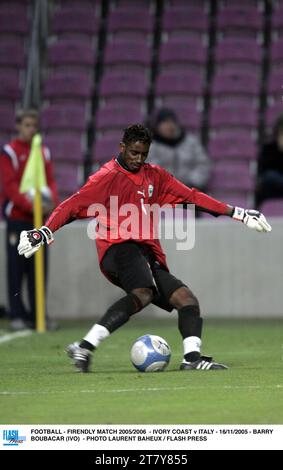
x=34, y=172
x=34, y=178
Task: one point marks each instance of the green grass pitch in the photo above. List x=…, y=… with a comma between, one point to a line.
x=39, y=385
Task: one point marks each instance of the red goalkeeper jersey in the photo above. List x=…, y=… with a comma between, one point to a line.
x=113, y=187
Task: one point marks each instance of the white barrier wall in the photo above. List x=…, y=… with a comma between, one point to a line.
x=233, y=271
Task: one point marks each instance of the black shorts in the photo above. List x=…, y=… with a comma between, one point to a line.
x=130, y=266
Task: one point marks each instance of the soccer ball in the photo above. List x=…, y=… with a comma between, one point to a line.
x=150, y=353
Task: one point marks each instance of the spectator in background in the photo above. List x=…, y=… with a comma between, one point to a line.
x=179, y=152
x=270, y=167
x=18, y=212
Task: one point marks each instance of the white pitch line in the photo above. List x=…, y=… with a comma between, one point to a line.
x=17, y=334
x=135, y=390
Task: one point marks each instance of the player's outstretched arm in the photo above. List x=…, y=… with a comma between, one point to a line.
x=252, y=218
x=32, y=240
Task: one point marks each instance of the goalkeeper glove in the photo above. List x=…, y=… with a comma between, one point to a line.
x=252, y=218
x=32, y=240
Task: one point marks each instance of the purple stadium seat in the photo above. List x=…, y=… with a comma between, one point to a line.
x=123, y=84
x=191, y=21
x=272, y=208
x=234, y=176
x=131, y=4
x=135, y=53
x=234, y=198
x=175, y=83
x=65, y=147
x=277, y=20
x=233, y=116
x=240, y=21
x=178, y=52
x=66, y=176
x=113, y=117
x=12, y=23
x=10, y=87
x=188, y=4
x=13, y=8
x=68, y=85
x=71, y=52
x=238, y=50
x=76, y=4
x=12, y=55
x=7, y=118
x=72, y=117
x=127, y=20
x=276, y=54
x=106, y=147
x=255, y=4
x=275, y=82
x=232, y=147
x=75, y=20
x=235, y=83
x=272, y=112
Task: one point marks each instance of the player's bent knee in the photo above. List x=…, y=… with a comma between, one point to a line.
x=144, y=294
x=183, y=297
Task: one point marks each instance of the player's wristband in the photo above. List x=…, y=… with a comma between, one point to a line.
x=238, y=214
x=47, y=234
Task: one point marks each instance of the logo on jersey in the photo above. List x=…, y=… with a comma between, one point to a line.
x=150, y=190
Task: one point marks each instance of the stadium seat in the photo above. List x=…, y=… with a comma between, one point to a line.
x=121, y=21
x=239, y=82
x=10, y=87
x=70, y=116
x=231, y=176
x=132, y=4
x=67, y=178
x=177, y=53
x=123, y=84
x=275, y=82
x=192, y=21
x=68, y=85
x=227, y=116
x=272, y=112
x=66, y=147
x=75, y=20
x=124, y=55
x=241, y=51
x=106, y=147
x=234, y=198
x=11, y=23
x=277, y=20
x=7, y=118
x=276, y=54
x=12, y=55
x=239, y=21
x=272, y=207
x=79, y=54
x=174, y=83
x=232, y=146
x=113, y=117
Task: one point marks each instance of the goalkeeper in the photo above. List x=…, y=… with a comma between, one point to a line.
x=138, y=265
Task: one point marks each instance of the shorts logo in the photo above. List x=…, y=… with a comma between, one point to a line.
x=150, y=190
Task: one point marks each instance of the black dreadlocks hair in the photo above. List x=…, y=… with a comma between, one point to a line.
x=137, y=133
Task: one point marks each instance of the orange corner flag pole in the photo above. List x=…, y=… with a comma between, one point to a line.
x=39, y=269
